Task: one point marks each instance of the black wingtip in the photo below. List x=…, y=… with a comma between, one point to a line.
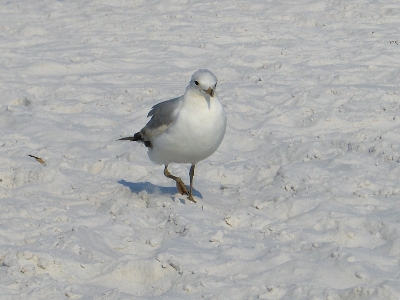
x=128, y=138
x=136, y=138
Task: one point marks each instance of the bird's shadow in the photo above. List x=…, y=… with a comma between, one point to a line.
x=137, y=187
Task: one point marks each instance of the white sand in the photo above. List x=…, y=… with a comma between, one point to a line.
x=301, y=200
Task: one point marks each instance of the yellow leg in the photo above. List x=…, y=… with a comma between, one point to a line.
x=179, y=183
x=191, y=175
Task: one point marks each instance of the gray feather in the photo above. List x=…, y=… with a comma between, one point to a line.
x=162, y=116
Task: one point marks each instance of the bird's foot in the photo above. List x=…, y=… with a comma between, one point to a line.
x=191, y=198
x=181, y=187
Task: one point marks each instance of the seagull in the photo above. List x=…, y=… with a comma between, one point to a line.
x=186, y=129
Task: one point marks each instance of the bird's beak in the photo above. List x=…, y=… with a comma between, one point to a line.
x=210, y=91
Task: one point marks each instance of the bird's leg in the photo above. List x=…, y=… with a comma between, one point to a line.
x=191, y=175
x=179, y=183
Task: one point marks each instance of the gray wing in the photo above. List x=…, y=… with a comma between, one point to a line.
x=162, y=115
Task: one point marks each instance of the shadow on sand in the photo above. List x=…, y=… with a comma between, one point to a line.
x=150, y=188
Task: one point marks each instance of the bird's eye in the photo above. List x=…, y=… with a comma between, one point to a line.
x=196, y=82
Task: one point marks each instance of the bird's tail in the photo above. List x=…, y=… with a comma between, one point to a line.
x=136, y=138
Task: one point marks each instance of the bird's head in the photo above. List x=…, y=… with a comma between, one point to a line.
x=204, y=81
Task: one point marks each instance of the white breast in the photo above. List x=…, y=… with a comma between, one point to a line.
x=195, y=134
